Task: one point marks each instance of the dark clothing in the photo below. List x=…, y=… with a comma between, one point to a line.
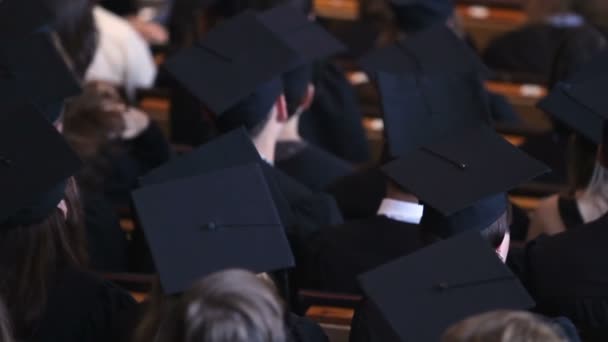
x=334, y=121
x=567, y=276
x=359, y=195
x=81, y=307
x=189, y=124
x=337, y=255
x=309, y=164
x=130, y=160
x=120, y=7
x=106, y=242
x=550, y=148
x=302, y=329
x=369, y=326
x=569, y=212
x=530, y=50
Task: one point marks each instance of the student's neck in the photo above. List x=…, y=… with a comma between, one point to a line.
x=291, y=130
x=265, y=145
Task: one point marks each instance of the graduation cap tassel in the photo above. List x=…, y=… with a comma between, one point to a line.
x=457, y=164
x=445, y=286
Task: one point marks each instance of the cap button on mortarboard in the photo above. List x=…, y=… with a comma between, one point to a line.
x=442, y=286
x=211, y=226
x=5, y=161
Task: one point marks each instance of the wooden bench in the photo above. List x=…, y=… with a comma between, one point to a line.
x=485, y=23
x=337, y=9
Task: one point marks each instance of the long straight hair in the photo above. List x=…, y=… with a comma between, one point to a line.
x=30, y=257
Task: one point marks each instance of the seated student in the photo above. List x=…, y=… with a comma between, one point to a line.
x=565, y=272
x=504, y=326
x=118, y=143
x=5, y=325
x=231, y=305
x=557, y=147
x=296, y=157
x=418, y=296
x=241, y=96
x=122, y=57
x=532, y=49
x=413, y=17
x=588, y=201
x=457, y=93
x=344, y=252
x=48, y=292
x=212, y=236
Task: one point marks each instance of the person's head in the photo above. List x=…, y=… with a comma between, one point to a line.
x=31, y=254
x=74, y=24
x=263, y=113
x=538, y=10
x=490, y=216
x=91, y=123
x=503, y=326
x=299, y=89
x=231, y=305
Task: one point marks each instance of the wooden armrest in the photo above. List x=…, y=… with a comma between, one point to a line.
x=331, y=315
x=309, y=298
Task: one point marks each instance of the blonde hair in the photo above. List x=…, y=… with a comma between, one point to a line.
x=502, y=326
x=228, y=306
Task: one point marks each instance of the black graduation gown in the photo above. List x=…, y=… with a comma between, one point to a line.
x=567, y=274
x=106, y=242
x=311, y=210
x=530, y=50
x=309, y=164
x=302, y=329
x=334, y=121
x=81, y=308
x=369, y=326
x=359, y=195
x=569, y=212
x=337, y=255
x=130, y=160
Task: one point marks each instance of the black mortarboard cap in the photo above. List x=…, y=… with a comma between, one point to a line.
x=463, y=167
x=229, y=150
x=46, y=85
x=22, y=17
x=434, y=50
x=239, y=61
x=581, y=106
x=203, y=224
x=419, y=109
x=35, y=163
x=422, y=294
x=415, y=15
x=308, y=39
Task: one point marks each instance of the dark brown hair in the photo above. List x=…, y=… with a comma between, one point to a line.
x=30, y=256
x=75, y=26
x=91, y=123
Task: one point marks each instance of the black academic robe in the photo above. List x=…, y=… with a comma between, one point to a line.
x=131, y=159
x=309, y=164
x=369, y=326
x=567, y=274
x=81, y=308
x=337, y=255
x=359, y=195
x=530, y=50
x=107, y=244
x=302, y=329
x=334, y=121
